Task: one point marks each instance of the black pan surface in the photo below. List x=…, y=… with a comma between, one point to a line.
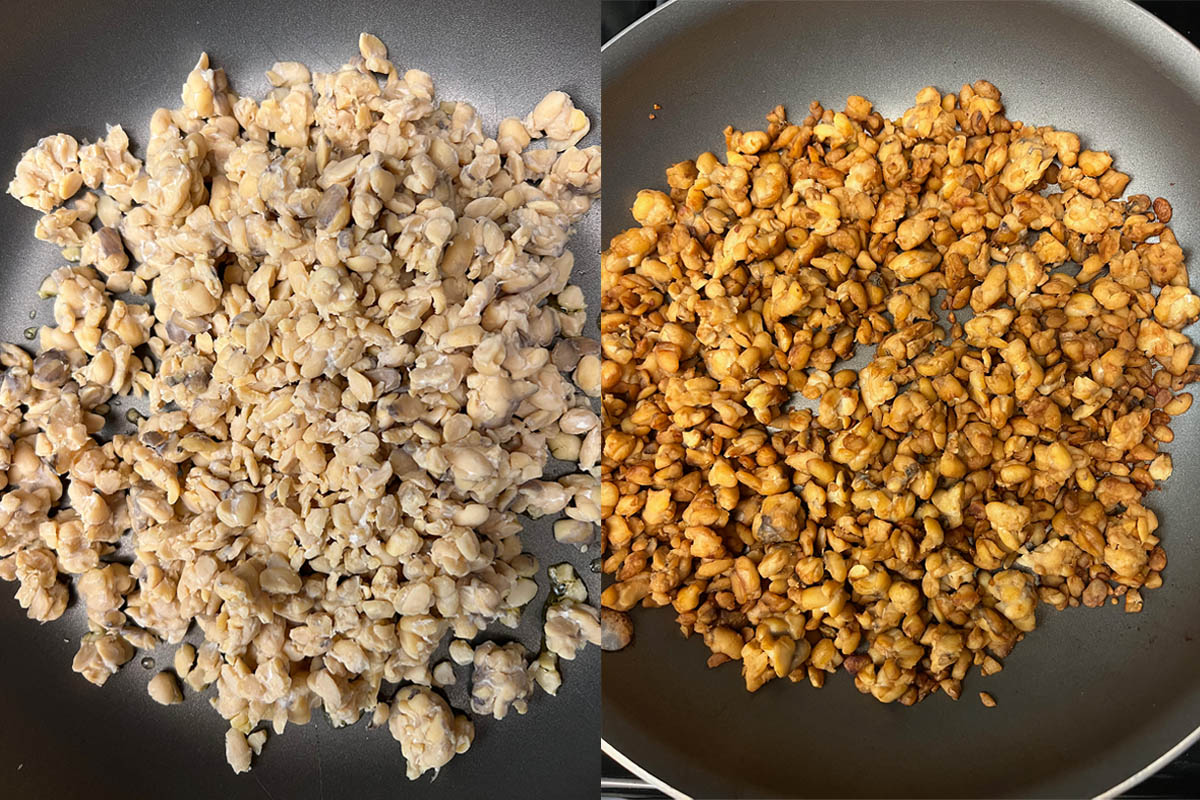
x=1093, y=697
x=73, y=66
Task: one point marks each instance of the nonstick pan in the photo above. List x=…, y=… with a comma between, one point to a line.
x=74, y=66
x=1093, y=700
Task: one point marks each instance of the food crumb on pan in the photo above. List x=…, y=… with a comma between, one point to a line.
x=616, y=629
x=1162, y=209
x=164, y=689
x=904, y=519
x=350, y=313
x=987, y=699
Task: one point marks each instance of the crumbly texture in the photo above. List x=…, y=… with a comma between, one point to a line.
x=237, y=751
x=501, y=680
x=570, y=625
x=443, y=674
x=430, y=734
x=352, y=319
x=565, y=584
x=544, y=671
x=185, y=657
x=461, y=652
x=164, y=689
x=908, y=523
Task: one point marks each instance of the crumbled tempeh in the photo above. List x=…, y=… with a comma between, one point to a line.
x=355, y=294
x=905, y=519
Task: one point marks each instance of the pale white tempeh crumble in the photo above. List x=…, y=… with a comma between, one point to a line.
x=362, y=351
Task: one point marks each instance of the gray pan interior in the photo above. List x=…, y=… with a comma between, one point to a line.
x=74, y=66
x=1093, y=696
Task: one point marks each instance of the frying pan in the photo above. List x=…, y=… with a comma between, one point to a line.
x=74, y=66
x=1094, y=699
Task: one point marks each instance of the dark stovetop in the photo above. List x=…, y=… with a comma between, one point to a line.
x=1180, y=778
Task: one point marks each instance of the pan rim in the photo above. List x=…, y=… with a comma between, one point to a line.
x=625, y=761
x=1153, y=767
x=1133, y=780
